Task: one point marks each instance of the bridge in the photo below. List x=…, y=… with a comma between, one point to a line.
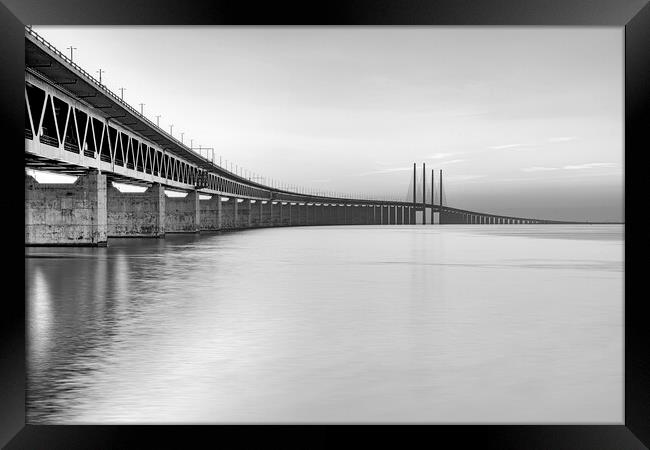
x=76, y=126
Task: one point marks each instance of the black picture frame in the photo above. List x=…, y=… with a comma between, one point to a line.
x=634, y=15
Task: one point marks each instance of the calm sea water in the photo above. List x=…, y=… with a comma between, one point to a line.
x=453, y=324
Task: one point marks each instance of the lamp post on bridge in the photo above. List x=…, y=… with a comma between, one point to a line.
x=100, y=71
x=71, y=48
x=142, y=109
x=158, y=121
x=171, y=127
x=122, y=93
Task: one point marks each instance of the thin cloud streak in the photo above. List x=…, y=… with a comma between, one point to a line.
x=464, y=177
x=562, y=139
x=451, y=161
x=507, y=146
x=441, y=155
x=586, y=166
x=539, y=169
x=384, y=171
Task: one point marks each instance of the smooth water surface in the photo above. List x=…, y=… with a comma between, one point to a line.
x=451, y=324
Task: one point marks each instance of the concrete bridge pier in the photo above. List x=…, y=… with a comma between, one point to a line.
x=302, y=213
x=400, y=215
x=182, y=214
x=385, y=215
x=357, y=213
x=266, y=207
x=391, y=215
x=285, y=213
x=244, y=215
x=66, y=214
x=318, y=214
x=228, y=213
x=294, y=214
x=324, y=214
x=210, y=213
x=274, y=212
x=255, y=213
x=136, y=214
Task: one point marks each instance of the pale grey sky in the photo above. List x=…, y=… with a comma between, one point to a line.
x=524, y=121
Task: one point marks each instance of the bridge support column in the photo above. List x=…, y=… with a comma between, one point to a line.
x=135, y=214
x=265, y=213
x=294, y=215
x=302, y=213
x=275, y=207
x=318, y=214
x=285, y=212
x=210, y=214
x=182, y=214
x=391, y=214
x=400, y=215
x=309, y=214
x=244, y=215
x=228, y=213
x=384, y=214
x=255, y=213
x=66, y=214
x=448, y=218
